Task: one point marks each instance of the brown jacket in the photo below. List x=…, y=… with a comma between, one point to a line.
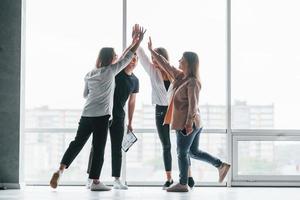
x=185, y=107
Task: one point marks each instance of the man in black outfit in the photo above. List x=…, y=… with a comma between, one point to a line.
x=126, y=88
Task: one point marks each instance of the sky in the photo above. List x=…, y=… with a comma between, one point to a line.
x=63, y=39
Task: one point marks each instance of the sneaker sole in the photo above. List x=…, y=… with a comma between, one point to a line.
x=54, y=180
x=165, y=188
x=177, y=190
x=100, y=190
x=119, y=188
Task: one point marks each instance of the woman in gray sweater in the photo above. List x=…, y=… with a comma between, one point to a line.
x=99, y=89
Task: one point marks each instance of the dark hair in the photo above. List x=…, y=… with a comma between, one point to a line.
x=193, y=64
x=106, y=56
x=163, y=52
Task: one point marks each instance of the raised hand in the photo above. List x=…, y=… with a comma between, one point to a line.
x=142, y=33
x=135, y=38
x=135, y=30
x=137, y=34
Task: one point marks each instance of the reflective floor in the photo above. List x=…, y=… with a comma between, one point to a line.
x=153, y=193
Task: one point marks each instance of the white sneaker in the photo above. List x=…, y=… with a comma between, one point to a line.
x=88, y=183
x=119, y=186
x=99, y=187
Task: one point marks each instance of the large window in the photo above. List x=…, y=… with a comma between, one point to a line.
x=63, y=39
x=265, y=64
x=260, y=56
x=265, y=78
x=191, y=25
x=266, y=158
x=181, y=26
x=62, y=48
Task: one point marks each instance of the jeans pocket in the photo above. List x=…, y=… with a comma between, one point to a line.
x=183, y=132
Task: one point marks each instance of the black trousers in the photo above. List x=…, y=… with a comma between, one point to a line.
x=87, y=125
x=116, y=130
x=164, y=135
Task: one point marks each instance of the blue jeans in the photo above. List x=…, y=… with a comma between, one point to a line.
x=187, y=146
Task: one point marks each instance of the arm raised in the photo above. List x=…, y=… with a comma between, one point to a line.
x=127, y=54
x=162, y=62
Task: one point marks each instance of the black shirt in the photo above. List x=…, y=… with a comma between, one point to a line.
x=167, y=84
x=125, y=85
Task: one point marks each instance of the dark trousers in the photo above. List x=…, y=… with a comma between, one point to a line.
x=164, y=135
x=116, y=130
x=188, y=146
x=87, y=125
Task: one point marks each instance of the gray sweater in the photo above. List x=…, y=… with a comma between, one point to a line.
x=99, y=88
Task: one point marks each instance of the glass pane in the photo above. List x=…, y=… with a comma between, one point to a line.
x=145, y=158
x=63, y=39
x=192, y=25
x=62, y=47
x=43, y=153
x=268, y=158
x=45, y=117
x=265, y=64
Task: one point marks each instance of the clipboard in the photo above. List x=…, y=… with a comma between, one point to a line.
x=128, y=140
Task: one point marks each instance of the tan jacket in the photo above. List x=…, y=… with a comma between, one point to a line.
x=185, y=107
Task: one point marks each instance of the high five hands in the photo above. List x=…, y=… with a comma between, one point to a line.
x=138, y=33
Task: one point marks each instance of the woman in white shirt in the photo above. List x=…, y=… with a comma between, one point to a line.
x=160, y=82
x=161, y=87
x=99, y=89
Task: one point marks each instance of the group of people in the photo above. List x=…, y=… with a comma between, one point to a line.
x=175, y=94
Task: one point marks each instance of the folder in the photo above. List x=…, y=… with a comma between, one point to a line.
x=128, y=140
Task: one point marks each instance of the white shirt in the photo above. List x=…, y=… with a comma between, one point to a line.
x=99, y=88
x=160, y=96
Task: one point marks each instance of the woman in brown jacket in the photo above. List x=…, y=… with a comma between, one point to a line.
x=184, y=116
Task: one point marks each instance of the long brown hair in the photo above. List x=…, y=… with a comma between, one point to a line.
x=193, y=64
x=105, y=57
x=163, y=52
